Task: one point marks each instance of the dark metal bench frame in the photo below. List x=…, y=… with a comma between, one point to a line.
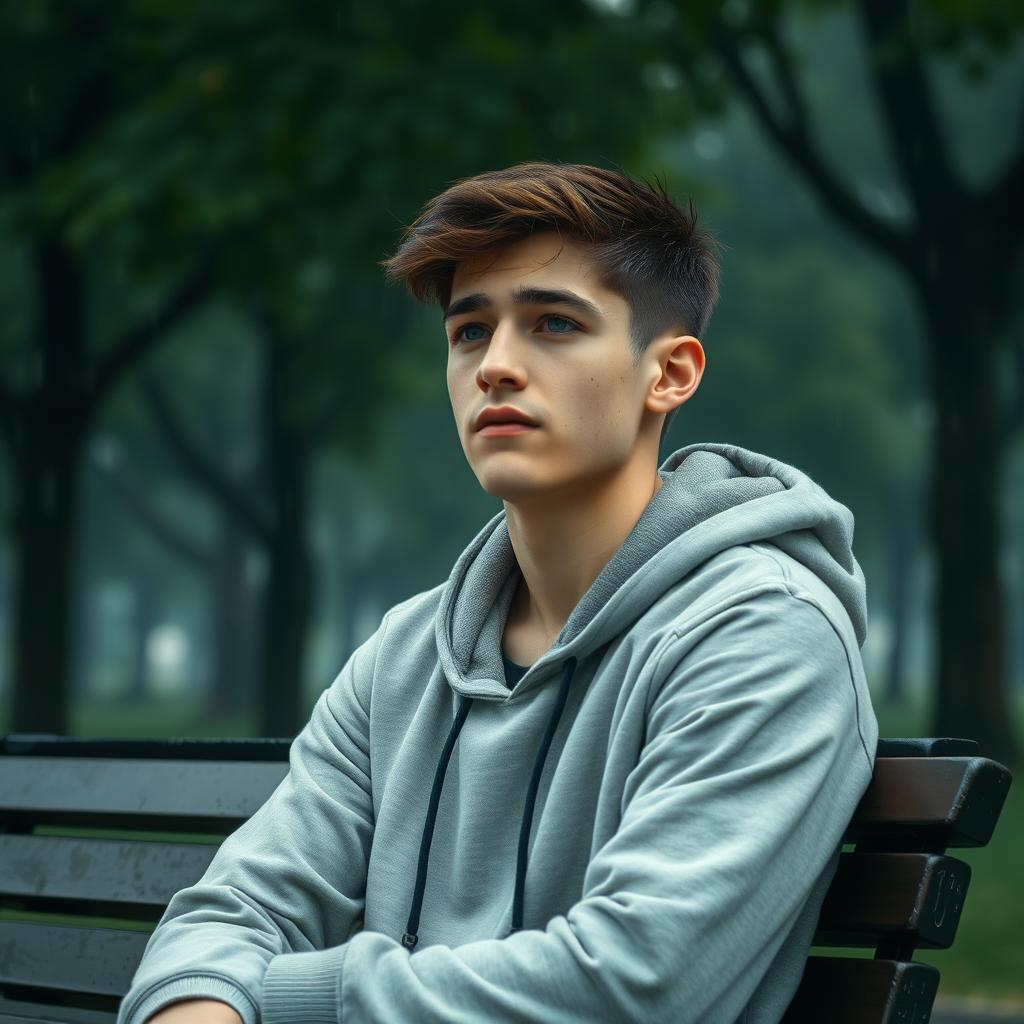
x=895, y=892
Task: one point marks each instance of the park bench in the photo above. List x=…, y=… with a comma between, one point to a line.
x=61, y=800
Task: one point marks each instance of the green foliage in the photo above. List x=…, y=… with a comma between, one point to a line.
x=288, y=144
x=289, y=134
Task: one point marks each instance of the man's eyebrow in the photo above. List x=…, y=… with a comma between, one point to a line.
x=526, y=296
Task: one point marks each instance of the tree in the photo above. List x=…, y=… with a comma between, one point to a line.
x=279, y=139
x=959, y=253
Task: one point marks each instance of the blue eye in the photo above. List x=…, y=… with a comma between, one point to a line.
x=458, y=336
x=565, y=320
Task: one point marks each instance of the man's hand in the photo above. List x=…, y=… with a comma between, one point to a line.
x=196, y=1011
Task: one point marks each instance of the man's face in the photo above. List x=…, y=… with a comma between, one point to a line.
x=569, y=370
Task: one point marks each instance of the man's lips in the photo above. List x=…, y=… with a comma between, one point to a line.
x=501, y=414
x=507, y=427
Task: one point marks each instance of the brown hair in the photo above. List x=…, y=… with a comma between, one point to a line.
x=644, y=247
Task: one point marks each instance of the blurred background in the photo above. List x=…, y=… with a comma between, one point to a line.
x=226, y=447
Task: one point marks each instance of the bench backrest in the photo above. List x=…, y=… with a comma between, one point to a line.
x=60, y=798
x=896, y=891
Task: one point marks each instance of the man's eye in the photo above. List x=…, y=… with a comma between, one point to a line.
x=564, y=319
x=458, y=335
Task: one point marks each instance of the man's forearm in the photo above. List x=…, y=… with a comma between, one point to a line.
x=196, y=1011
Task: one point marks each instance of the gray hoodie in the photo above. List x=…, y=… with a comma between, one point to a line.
x=641, y=828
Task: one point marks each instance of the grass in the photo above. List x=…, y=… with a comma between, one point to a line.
x=984, y=961
x=163, y=718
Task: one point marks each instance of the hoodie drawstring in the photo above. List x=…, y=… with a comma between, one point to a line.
x=411, y=937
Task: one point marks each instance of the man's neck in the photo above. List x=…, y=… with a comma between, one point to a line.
x=561, y=554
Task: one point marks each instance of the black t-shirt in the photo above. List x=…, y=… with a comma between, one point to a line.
x=513, y=672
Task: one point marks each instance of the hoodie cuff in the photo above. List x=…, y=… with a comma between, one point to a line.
x=194, y=986
x=304, y=988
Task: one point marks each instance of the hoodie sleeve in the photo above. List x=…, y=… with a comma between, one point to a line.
x=264, y=894
x=752, y=765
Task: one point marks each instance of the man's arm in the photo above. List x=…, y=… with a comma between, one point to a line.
x=196, y=1011
x=291, y=878
x=752, y=765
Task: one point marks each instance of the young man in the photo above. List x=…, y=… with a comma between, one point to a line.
x=604, y=770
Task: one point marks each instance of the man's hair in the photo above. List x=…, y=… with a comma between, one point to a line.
x=643, y=246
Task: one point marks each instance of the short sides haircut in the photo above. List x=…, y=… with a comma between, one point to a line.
x=643, y=246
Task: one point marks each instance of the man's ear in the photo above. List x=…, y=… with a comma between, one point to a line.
x=676, y=372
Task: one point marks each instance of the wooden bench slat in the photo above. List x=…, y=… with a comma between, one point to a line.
x=954, y=801
x=846, y=990
x=186, y=796
x=886, y=895
x=15, y=1011
x=96, y=961
x=49, y=1018
x=183, y=748
x=6, y=1018
x=926, y=746
x=104, y=872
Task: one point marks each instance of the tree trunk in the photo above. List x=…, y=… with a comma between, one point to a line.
x=283, y=710
x=971, y=687
x=47, y=502
x=237, y=603
x=1016, y=634
x=148, y=614
x=288, y=595
x=45, y=462
x=902, y=550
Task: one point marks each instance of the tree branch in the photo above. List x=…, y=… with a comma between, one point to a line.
x=797, y=145
x=196, y=554
x=10, y=417
x=201, y=467
x=1004, y=200
x=907, y=108
x=1013, y=417
x=783, y=68
x=135, y=342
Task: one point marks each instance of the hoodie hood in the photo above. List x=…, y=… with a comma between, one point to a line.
x=713, y=496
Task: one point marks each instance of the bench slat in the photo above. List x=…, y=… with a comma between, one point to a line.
x=886, y=895
x=176, y=748
x=951, y=801
x=926, y=746
x=15, y=1011
x=96, y=961
x=847, y=990
x=184, y=796
x=105, y=872
x=49, y=1018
